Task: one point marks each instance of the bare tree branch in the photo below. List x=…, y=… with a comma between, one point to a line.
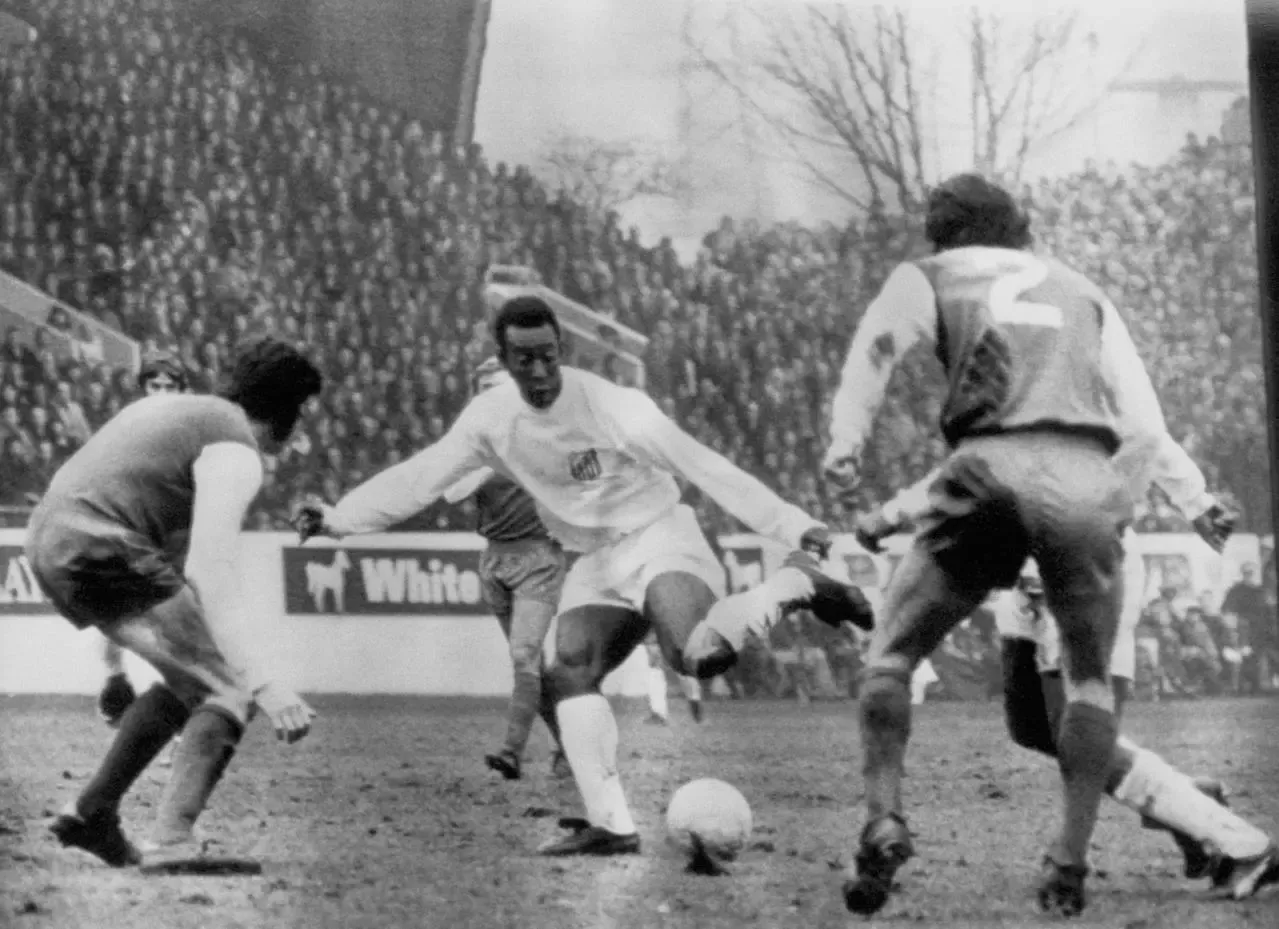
x=606, y=175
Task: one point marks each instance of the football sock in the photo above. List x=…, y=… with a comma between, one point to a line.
x=589, y=735
x=1026, y=713
x=692, y=688
x=884, y=703
x=657, y=691
x=546, y=709
x=146, y=727
x=1085, y=749
x=1161, y=792
x=208, y=744
x=526, y=697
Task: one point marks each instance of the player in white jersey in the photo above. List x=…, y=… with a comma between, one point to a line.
x=1216, y=843
x=601, y=461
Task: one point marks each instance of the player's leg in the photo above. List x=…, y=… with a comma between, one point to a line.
x=174, y=638
x=658, y=704
x=692, y=689
x=522, y=586
x=117, y=692
x=970, y=541
x=591, y=640
x=1079, y=553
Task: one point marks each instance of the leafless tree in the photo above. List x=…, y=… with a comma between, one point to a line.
x=853, y=94
x=605, y=175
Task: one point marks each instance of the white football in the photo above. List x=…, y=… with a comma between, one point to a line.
x=716, y=811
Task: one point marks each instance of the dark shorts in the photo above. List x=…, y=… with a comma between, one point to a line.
x=95, y=573
x=1002, y=499
x=998, y=501
x=527, y=570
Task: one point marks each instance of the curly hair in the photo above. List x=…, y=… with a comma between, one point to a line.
x=969, y=210
x=271, y=380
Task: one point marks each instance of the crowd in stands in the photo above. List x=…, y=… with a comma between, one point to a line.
x=178, y=185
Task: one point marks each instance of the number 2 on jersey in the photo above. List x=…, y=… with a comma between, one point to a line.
x=1007, y=308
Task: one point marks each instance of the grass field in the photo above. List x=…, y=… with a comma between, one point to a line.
x=385, y=817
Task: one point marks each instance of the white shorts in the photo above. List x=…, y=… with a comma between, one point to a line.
x=1017, y=623
x=619, y=574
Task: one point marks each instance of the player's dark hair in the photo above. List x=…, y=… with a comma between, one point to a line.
x=523, y=313
x=161, y=362
x=271, y=380
x=969, y=210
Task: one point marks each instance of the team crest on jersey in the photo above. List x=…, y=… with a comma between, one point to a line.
x=585, y=466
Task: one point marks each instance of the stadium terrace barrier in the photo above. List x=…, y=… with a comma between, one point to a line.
x=594, y=336
x=26, y=308
x=402, y=613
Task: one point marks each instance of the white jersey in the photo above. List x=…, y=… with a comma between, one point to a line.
x=601, y=463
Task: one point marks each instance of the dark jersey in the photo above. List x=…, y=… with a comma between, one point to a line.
x=506, y=512
x=1020, y=339
x=132, y=481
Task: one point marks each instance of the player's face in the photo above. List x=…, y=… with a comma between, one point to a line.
x=533, y=358
x=161, y=383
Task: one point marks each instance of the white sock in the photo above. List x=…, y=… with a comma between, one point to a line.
x=657, y=691
x=1157, y=789
x=588, y=732
x=692, y=688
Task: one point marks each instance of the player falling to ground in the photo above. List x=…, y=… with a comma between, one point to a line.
x=1216, y=842
x=137, y=537
x=601, y=461
x=160, y=373
x=521, y=574
x=1031, y=349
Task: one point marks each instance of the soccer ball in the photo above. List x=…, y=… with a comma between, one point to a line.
x=713, y=810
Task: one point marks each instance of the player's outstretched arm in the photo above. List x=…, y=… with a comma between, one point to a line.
x=467, y=486
x=228, y=476
x=409, y=487
x=649, y=432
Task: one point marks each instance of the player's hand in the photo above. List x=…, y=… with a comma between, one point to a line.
x=871, y=528
x=289, y=713
x=816, y=542
x=1215, y=526
x=311, y=518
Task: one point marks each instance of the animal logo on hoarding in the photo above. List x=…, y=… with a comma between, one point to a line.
x=328, y=579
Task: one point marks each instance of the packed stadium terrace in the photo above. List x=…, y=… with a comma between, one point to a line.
x=238, y=193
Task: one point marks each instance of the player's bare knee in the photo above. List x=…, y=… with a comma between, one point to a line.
x=884, y=698
x=575, y=671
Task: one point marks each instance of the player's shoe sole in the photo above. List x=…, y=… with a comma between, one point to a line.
x=1061, y=889
x=885, y=847
x=100, y=836
x=506, y=764
x=193, y=857
x=585, y=839
x=1241, y=878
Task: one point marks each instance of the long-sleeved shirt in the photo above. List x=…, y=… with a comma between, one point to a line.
x=906, y=313
x=1147, y=453
x=601, y=462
